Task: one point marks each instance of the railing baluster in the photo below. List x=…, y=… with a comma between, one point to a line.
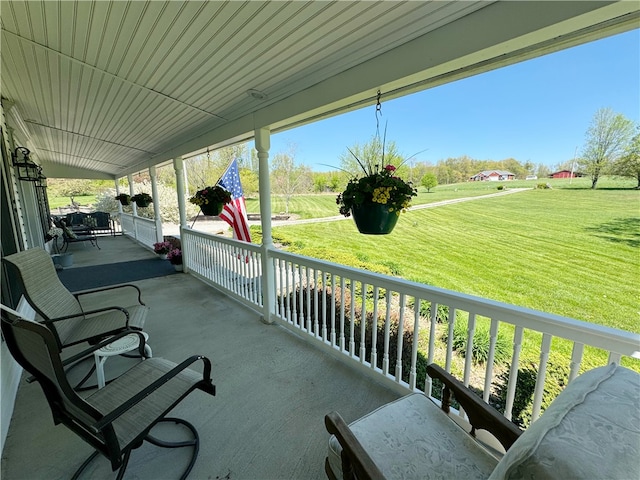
x=468, y=358
x=387, y=327
x=513, y=372
x=363, y=323
x=333, y=309
x=493, y=337
x=545, y=347
x=374, y=328
x=576, y=360
x=352, y=318
x=433, y=318
x=307, y=291
x=613, y=358
x=400, y=338
x=316, y=300
x=414, y=343
x=342, y=300
x=451, y=326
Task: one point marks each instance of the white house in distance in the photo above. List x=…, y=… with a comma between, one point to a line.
x=493, y=175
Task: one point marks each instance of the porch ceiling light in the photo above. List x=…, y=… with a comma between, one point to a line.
x=257, y=94
x=27, y=170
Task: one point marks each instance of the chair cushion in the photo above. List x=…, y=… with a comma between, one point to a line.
x=591, y=430
x=413, y=438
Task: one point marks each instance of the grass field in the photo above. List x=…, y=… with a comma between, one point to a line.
x=570, y=251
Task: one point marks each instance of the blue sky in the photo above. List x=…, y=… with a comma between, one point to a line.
x=537, y=110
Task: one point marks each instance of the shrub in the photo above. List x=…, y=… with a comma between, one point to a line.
x=557, y=377
x=481, y=341
x=500, y=187
x=523, y=401
x=441, y=317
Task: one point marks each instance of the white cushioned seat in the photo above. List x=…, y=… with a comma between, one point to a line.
x=413, y=438
x=590, y=431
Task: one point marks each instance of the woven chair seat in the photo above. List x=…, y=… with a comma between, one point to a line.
x=136, y=419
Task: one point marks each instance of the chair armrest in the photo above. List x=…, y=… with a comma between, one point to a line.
x=205, y=385
x=85, y=353
x=90, y=312
x=356, y=462
x=113, y=287
x=481, y=415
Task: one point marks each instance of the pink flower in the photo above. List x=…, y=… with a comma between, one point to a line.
x=390, y=168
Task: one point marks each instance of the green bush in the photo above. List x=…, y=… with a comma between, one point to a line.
x=500, y=187
x=523, y=401
x=441, y=317
x=556, y=379
x=481, y=341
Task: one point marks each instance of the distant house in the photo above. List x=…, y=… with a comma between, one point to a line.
x=493, y=176
x=566, y=174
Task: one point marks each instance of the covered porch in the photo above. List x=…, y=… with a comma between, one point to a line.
x=273, y=390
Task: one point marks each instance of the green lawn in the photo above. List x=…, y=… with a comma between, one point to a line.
x=573, y=252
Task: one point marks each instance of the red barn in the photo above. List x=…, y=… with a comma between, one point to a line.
x=565, y=174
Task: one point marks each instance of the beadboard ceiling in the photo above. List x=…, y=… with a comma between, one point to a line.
x=100, y=89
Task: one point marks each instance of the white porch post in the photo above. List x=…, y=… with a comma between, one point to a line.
x=178, y=166
x=156, y=202
x=118, y=193
x=132, y=193
x=263, y=143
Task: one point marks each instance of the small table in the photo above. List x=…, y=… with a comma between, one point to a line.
x=125, y=344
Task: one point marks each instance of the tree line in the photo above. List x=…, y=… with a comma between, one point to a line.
x=612, y=147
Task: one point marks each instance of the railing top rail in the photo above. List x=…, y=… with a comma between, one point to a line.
x=218, y=238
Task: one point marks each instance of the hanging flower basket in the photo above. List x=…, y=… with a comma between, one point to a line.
x=374, y=218
x=124, y=199
x=211, y=209
x=211, y=199
x=142, y=199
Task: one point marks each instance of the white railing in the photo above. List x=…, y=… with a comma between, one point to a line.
x=140, y=229
x=318, y=299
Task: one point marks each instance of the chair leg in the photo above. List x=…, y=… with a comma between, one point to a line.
x=84, y=465
x=195, y=443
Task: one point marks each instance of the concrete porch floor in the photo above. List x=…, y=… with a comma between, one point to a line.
x=273, y=390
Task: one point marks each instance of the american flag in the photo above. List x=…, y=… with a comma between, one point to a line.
x=235, y=213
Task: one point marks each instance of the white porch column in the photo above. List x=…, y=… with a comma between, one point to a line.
x=132, y=193
x=178, y=166
x=118, y=193
x=156, y=203
x=263, y=143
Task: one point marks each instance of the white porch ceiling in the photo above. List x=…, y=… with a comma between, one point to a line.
x=99, y=89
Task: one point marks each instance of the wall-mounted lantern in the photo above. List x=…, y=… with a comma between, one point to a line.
x=27, y=170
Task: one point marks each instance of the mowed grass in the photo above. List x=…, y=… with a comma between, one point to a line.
x=573, y=252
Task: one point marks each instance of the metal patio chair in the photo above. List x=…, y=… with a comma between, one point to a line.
x=119, y=417
x=62, y=311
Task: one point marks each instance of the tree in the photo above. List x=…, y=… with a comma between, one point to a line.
x=287, y=178
x=429, y=181
x=607, y=139
x=629, y=164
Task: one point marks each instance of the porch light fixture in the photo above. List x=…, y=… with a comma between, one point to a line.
x=257, y=94
x=28, y=171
